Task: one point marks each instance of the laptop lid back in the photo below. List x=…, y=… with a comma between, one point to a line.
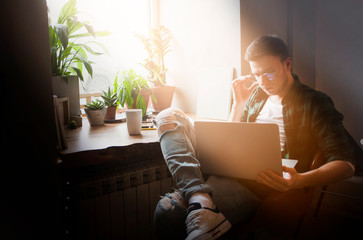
x=239, y=150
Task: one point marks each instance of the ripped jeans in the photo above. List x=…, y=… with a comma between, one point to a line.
x=178, y=145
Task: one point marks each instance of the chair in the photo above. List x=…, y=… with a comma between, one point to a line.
x=349, y=189
x=282, y=213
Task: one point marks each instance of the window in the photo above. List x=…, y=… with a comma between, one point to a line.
x=123, y=18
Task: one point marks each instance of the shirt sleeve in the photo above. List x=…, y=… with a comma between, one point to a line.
x=329, y=130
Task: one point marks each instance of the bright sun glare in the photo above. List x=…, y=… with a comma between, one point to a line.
x=123, y=18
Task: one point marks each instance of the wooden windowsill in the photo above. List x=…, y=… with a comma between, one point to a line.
x=87, y=138
x=106, y=145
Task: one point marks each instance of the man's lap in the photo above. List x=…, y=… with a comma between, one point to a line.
x=234, y=199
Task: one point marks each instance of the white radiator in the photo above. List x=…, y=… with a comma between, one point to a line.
x=117, y=204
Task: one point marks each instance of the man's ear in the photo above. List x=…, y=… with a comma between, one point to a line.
x=288, y=63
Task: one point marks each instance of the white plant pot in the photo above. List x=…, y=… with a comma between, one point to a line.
x=71, y=89
x=96, y=117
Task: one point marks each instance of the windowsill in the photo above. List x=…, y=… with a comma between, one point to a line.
x=106, y=145
x=87, y=138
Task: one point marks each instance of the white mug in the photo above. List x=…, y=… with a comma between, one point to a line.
x=134, y=121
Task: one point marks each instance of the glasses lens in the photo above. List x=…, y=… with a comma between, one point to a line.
x=270, y=76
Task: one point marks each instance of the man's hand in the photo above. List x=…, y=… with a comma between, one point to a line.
x=328, y=173
x=277, y=182
x=241, y=93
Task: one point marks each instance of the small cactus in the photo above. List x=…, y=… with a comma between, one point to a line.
x=110, y=98
x=95, y=105
x=73, y=124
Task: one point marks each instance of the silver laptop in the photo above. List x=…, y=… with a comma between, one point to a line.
x=238, y=150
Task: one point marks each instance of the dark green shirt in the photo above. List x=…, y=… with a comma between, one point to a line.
x=311, y=123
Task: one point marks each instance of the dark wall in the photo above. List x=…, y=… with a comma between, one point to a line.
x=261, y=18
x=339, y=58
x=29, y=179
x=325, y=39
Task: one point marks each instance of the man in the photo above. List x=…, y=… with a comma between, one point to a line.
x=308, y=122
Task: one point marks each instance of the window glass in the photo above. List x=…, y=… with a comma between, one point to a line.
x=123, y=18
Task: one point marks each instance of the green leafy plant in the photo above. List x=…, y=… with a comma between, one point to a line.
x=67, y=56
x=73, y=124
x=109, y=98
x=157, y=46
x=95, y=105
x=130, y=90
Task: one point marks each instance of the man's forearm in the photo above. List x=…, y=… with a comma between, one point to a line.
x=328, y=173
x=236, y=112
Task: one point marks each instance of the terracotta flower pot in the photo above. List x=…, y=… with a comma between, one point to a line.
x=145, y=94
x=110, y=113
x=164, y=97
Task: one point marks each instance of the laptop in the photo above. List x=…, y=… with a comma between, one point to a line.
x=239, y=150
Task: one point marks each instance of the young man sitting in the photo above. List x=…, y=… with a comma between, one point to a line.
x=308, y=122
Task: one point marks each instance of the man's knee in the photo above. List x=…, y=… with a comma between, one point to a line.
x=166, y=119
x=171, y=111
x=169, y=217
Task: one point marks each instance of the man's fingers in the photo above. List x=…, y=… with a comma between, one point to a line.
x=270, y=184
x=277, y=178
x=242, y=78
x=240, y=82
x=266, y=179
x=288, y=169
x=253, y=86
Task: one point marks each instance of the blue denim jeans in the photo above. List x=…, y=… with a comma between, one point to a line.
x=178, y=145
x=178, y=148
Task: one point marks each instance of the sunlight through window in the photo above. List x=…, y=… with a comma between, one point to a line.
x=123, y=18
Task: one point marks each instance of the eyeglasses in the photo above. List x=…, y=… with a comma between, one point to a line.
x=270, y=75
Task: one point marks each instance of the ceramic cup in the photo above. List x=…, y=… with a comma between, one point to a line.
x=134, y=121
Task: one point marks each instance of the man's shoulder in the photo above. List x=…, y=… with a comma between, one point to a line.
x=314, y=102
x=306, y=94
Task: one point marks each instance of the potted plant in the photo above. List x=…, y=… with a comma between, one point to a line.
x=69, y=57
x=134, y=91
x=110, y=100
x=157, y=46
x=95, y=112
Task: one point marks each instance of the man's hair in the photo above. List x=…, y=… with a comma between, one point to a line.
x=266, y=45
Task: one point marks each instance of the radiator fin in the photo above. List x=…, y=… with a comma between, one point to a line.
x=118, y=204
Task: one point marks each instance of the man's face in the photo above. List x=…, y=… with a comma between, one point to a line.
x=271, y=73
